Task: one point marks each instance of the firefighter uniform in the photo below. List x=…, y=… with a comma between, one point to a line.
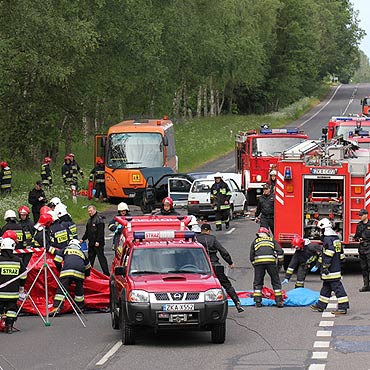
x=17, y=228
x=5, y=178
x=220, y=199
x=97, y=176
x=67, y=173
x=75, y=268
x=213, y=246
x=76, y=169
x=11, y=266
x=263, y=254
x=363, y=236
x=331, y=273
x=46, y=175
x=59, y=236
x=265, y=208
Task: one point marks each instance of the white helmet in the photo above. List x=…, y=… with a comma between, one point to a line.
x=61, y=210
x=273, y=173
x=9, y=214
x=324, y=223
x=74, y=243
x=54, y=215
x=218, y=174
x=55, y=201
x=8, y=243
x=122, y=207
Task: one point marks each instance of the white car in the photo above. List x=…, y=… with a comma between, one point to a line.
x=199, y=199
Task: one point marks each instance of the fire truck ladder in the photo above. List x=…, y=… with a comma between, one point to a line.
x=300, y=150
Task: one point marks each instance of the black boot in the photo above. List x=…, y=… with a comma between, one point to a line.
x=218, y=227
x=227, y=224
x=9, y=326
x=366, y=287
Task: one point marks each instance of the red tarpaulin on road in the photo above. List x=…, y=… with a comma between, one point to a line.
x=96, y=287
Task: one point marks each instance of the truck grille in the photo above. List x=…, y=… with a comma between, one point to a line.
x=177, y=297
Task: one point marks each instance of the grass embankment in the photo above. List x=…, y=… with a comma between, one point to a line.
x=197, y=141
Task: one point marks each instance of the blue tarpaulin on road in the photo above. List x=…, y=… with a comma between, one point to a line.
x=295, y=298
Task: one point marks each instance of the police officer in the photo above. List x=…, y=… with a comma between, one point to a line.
x=213, y=246
x=220, y=201
x=9, y=294
x=45, y=172
x=5, y=178
x=75, y=268
x=363, y=236
x=265, y=208
x=115, y=226
x=97, y=176
x=264, y=252
x=331, y=270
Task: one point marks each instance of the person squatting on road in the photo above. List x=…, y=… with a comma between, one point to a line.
x=363, y=236
x=213, y=246
x=265, y=208
x=74, y=266
x=94, y=233
x=115, y=226
x=11, y=266
x=263, y=254
x=330, y=260
x=305, y=254
x=220, y=201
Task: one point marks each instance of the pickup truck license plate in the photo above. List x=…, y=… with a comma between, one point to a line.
x=178, y=307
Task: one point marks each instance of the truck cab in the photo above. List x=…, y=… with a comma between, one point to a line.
x=365, y=106
x=162, y=279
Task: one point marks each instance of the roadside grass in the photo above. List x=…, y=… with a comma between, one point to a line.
x=198, y=141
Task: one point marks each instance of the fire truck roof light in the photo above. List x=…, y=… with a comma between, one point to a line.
x=163, y=235
x=350, y=119
x=266, y=131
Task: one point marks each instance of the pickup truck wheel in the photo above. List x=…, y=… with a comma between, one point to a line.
x=127, y=332
x=218, y=333
x=113, y=311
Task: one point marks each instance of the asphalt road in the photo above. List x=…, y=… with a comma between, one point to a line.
x=265, y=338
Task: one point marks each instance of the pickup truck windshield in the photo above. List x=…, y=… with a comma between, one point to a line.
x=169, y=260
x=135, y=150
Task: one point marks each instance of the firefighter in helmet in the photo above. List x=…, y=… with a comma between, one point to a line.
x=28, y=228
x=76, y=169
x=97, y=176
x=10, y=218
x=220, y=201
x=265, y=208
x=5, y=178
x=266, y=255
x=304, y=255
x=167, y=208
x=67, y=172
x=331, y=276
x=46, y=177
x=115, y=226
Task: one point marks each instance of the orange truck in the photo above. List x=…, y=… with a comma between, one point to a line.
x=365, y=106
x=134, y=151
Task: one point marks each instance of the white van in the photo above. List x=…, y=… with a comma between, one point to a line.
x=199, y=199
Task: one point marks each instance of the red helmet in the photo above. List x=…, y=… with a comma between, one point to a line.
x=264, y=230
x=298, y=242
x=47, y=160
x=45, y=220
x=100, y=160
x=23, y=210
x=44, y=210
x=10, y=234
x=3, y=164
x=67, y=158
x=168, y=200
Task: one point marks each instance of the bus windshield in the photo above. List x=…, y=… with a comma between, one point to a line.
x=135, y=150
x=273, y=146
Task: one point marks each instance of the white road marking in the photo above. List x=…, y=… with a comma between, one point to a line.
x=323, y=333
x=332, y=305
x=320, y=355
x=230, y=231
x=319, y=344
x=326, y=323
x=317, y=367
x=109, y=354
x=327, y=314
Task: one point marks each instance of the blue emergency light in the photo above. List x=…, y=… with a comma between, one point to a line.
x=287, y=173
x=279, y=131
x=163, y=235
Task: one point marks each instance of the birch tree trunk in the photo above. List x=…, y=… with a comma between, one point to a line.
x=211, y=99
x=176, y=104
x=205, y=102
x=199, y=102
x=184, y=101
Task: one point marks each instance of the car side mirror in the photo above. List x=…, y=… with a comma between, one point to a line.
x=120, y=270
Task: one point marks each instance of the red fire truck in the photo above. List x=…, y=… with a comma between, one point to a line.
x=317, y=180
x=256, y=154
x=347, y=126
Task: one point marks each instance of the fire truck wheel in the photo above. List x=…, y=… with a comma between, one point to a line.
x=127, y=331
x=113, y=311
x=218, y=333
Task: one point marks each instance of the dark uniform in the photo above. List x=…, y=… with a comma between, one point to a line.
x=75, y=268
x=11, y=266
x=263, y=254
x=97, y=175
x=163, y=212
x=59, y=236
x=46, y=177
x=76, y=169
x=5, y=179
x=37, y=198
x=265, y=210
x=331, y=273
x=363, y=235
x=94, y=233
x=220, y=199
x=213, y=246
x=67, y=173
x=17, y=228
x=28, y=229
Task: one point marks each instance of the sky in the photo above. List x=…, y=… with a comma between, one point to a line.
x=363, y=6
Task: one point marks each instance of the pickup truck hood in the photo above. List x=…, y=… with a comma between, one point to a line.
x=175, y=283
